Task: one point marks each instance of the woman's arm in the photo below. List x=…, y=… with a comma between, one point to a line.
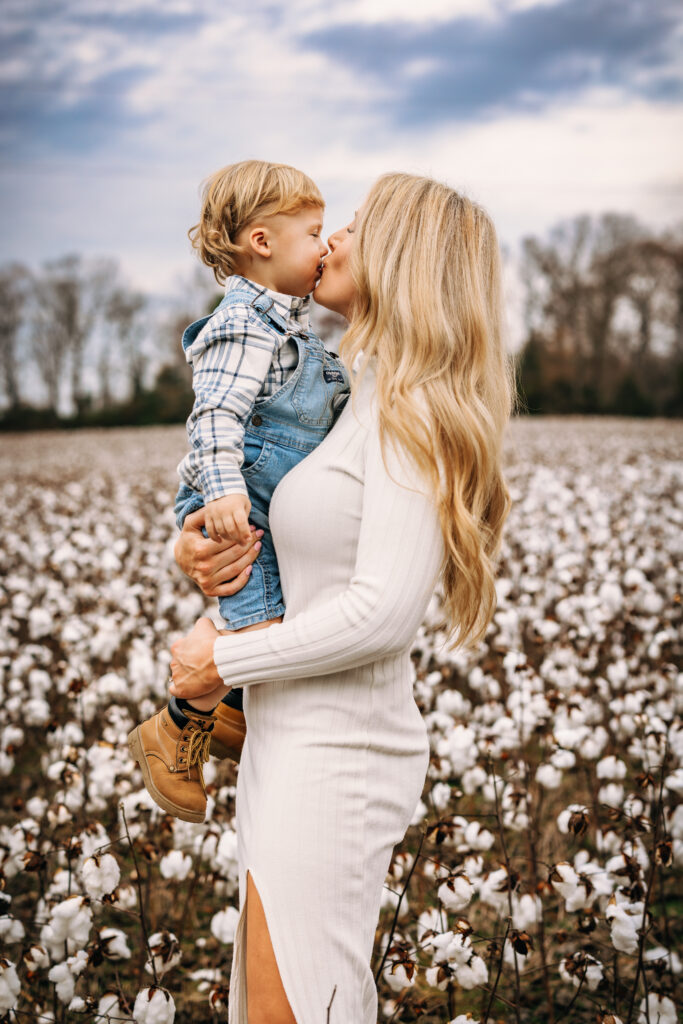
x=400, y=552
x=219, y=569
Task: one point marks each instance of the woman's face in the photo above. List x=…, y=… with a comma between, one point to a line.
x=336, y=289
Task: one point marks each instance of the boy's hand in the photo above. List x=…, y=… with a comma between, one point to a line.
x=227, y=518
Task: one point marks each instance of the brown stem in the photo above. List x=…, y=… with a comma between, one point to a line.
x=143, y=923
x=648, y=894
x=485, y=1017
x=506, y=858
x=532, y=837
x=378, y=973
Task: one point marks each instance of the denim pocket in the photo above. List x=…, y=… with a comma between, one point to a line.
x=256, y=455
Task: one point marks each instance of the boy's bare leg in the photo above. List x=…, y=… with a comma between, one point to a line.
x=208, y=701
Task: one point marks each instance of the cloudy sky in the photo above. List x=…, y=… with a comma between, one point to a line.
x=113, y=112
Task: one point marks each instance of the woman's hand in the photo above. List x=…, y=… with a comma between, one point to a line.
x=193, y=669
x=220, y=568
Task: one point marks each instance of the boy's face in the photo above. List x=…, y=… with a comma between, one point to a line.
x=296, y=250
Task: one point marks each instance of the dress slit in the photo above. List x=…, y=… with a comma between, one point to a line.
x=238, y=998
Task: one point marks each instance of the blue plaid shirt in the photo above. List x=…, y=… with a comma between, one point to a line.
x=235, y=360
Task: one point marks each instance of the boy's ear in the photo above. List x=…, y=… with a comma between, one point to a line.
x=259, y=242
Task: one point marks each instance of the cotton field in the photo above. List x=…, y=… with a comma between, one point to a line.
x=541, y=877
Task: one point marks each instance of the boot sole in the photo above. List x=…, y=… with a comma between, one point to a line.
x=137, y=753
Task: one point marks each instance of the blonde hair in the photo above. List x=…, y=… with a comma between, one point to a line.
x=236, y=196
x=428, y=313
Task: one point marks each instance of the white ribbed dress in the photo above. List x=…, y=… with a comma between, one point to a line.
x=336, y=750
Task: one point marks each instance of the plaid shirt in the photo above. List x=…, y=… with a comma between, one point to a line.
x=235, y=360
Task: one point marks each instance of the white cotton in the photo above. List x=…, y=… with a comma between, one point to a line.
x=477, y=838
x=437, y=977
x=612, y=794
x=77, y=1004
x=563, y=759
x=10, y=986
x=11, y=929
x=224, y=925
x=69, y=922
x=175, y=865
x=610, y=768
x=526, y=911
x=548, y=776
x=109, y=1005
x=115, y=943
x=154, y=1006
x=581, y=969
x=623, y=927
x=464, y=1018
x=63, y=981
x=226, y=855
x=456, y=893
x=399, y=976
x=564, y=816
x=441, y=795
x=472, y=974
x=672, y=959
x=101, y=875
x=35, y=958
x=660, y=1009
x=564, y=879
x=165, y=951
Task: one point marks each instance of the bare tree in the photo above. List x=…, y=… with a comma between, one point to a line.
x=15, y=281
x=122, y=312
x=73, y=295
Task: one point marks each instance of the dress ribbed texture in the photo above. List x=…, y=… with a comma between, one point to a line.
x=336, y=749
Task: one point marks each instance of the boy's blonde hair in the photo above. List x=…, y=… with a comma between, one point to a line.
x=235, y=197
x=429, y=312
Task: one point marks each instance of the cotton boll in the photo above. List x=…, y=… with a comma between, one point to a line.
x=548, y=776
x=671, y=959
x=526, y=911
x=464, y=1018
x=154, y=1006
x=564, y=880
x=224, y=925
x=10, y=986
x=175, y=865
x=165, y=951
x=101, y=875
x=456, y=893
x=70, y=923
x=610, y=768
x=657, y=1008
x=612, y=794
x=623, y=927
x=11, y=930
x=114, y=943
x=441, y=795
x=472, y=974
x=399, y=975
x=581, y=969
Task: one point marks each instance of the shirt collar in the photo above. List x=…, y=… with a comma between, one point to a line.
x=289, y=306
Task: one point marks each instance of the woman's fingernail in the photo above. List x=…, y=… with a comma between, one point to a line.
x=259, y=533
x=258, y=546
x=247, y=571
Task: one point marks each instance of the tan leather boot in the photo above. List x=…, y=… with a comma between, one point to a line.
x=171, y=761
x=230, y=728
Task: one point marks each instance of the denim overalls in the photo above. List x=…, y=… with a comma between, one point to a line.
x=282, y=429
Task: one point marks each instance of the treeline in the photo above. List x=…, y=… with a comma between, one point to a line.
x=603, y=319
x=603, y=323
x=98, y=351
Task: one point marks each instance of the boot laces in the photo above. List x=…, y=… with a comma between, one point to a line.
x=198, y=749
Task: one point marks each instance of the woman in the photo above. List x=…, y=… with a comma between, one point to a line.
x=406, y=488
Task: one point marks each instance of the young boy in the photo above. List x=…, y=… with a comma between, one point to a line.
x=266, y=394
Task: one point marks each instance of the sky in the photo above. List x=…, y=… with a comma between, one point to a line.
x=112, y=113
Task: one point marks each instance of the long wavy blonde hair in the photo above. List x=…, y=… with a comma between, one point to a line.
x=428, y=314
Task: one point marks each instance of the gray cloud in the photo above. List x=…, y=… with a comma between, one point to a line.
x=467, y=68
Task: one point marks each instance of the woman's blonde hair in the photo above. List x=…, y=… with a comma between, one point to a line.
x=428, y=313
x=236, y=196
